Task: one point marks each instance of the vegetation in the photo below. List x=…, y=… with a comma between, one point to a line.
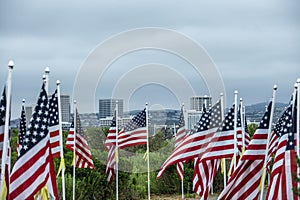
x=93, y=184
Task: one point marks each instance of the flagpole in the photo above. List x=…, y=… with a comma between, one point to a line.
x=182, y=183
x=117, y=153
x=7, y=121
x=298, y=125
x=61, y=141
x=267, y=146
x=242, y=124
x=235, y=127
x=148, y=162
x=74, y=152
x=222, y=118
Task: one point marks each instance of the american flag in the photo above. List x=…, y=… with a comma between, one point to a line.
x=289, y=168
x=2, y=130
x=204, y=174
x=34, y=167
x=284, y=151
x=110, y=145
x=181, y=133
x=240, y=132
x=221, y=146
x=245, y=180
x=135, y=132
x=54, y=125
x=83, y=154
x=2, y=120
x=222, y=143
x=22, y=131
x=195, y=144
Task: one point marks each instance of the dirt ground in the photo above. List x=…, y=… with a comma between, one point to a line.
x=178, y=197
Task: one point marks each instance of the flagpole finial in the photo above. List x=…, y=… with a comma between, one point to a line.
x=11, y=64
x=236, y=92
x=182, y=104
x=47, y=70
x=57, y=82
x=146, y=103
x=23, y=101
x=241, y=99
x=275, y=87
x=44, y=78
x=221, y=94
x=296, y=85
x=74, y=101
x=298, y=80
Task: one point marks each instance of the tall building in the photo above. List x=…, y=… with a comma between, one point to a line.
x=197, y=102
x=28, y=113
x=65, y=107
x=107, y=107
x=193, y=118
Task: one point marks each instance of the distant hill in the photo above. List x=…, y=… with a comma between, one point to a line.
x=260, y=107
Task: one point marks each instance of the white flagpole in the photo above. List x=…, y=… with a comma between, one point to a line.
x=298, y=125
x=7, y=121
x=46, y=75
x=182, y=184
x=148, y=153
x=222, y=118
x=267, y=146
x=242, y=124
x=117, y=153
x=235, y=127
x=74, y=153
x=61, y=141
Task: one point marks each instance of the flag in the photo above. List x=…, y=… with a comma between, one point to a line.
x=195, y=144
x=204, y=174
x=34, y=167
x=181, y=133
x=135, y=132
x=54, y=125
x=222, y=142
x=22, y=130
x=110, y=145
x=3, y=109
x=289, y=168
x=245, y=179
x=281, y=178
x=221, y=146
x=83, y=154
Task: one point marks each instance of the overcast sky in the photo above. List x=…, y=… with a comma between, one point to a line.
x=254, y=44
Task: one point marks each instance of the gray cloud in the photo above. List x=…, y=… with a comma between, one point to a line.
x=254, y=44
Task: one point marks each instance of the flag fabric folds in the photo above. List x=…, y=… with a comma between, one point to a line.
x=34, y=167
x=3, y=109
x=135, y=132
x=110, y=145
x=181, y=133
x=195, y=144
x=54, y=125
x=22, y=130
x=83, y=154
x=284, y=167
x=245, y=179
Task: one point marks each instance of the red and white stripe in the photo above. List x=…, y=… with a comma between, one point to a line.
x=110, y=138
x=180, y=135
x=289, y=170
x=83, y=153
x=274, y=190
x=131, y=138
x=204, y=174
x=32, y=171
x=245, y=179
x=54, y=141
x=192, y=146
x=109, y=144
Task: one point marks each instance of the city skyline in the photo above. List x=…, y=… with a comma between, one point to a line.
x=251, y=51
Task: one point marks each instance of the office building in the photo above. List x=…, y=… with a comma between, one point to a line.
x=197, y=102
x=65, y=107
x=107, y=107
